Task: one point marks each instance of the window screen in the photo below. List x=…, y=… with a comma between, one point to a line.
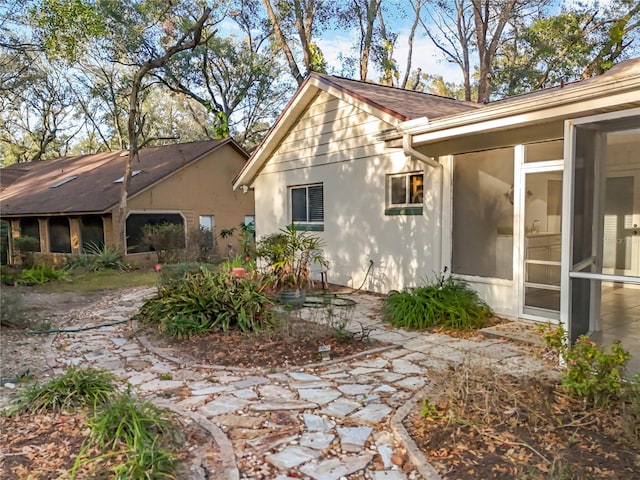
x=307, y=204
x=135, y=223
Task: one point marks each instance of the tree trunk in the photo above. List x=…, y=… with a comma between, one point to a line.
x=195, y=32
x=282, y=42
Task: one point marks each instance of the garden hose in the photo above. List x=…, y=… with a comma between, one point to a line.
x=75, y=330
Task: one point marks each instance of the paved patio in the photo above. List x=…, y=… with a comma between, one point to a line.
x=332, y=420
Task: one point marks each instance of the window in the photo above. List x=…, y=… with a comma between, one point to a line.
x=63, y=181
x=137, y=221
x=133, y=174
x=307, y=207
x=207, y=223
x=59, y=235
x=405, y=194
x=483, y=214
x=91, y=232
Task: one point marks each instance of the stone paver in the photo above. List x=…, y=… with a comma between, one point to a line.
x=323, y=422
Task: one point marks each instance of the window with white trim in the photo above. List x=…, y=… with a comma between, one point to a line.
x=307, y=206
x=405, y=193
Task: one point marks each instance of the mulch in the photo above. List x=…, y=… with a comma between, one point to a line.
x=499, y=427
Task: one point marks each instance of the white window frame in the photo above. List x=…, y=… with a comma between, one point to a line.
x=308, y=206
x=407, y=176
x=212, y=221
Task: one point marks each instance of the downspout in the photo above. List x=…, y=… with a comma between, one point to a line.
x=407, y=141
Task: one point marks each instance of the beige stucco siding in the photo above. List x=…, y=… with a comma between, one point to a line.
x=202, y=188
x=352, y=166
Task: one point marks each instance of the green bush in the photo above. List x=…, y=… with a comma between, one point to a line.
x=176, y=272
x=103, y=257
x=591, y=372
x=208, y=300
x=25, y=246
x=40, y=275
x=76, y=388
x=167, y=240
x=133, y=422
x=449, y=302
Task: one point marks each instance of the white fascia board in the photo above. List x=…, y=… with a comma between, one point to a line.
x=556, y=104
x=288, y=117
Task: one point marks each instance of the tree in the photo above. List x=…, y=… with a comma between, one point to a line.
x=238, y=77
x=301, y=19
x=142, y=34
x=566, y=47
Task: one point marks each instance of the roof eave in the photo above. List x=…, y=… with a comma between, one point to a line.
x=538, y=108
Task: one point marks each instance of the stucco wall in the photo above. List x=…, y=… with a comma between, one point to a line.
x=337, y=139
x=202, y=188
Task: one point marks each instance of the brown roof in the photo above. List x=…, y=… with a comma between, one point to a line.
x=30, y=188
x=404, y=104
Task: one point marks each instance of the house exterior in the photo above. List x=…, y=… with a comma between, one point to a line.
x=71, y=202
x=534, y=200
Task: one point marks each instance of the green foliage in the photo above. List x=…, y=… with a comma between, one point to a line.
x=40, y=275
x=448, y=302
x=76, y=388
x=13, y=312
x=591, y=372
x=133, y=422
x=65, y=25
x=290, y=254
x=208, y=301
x=167, y=239
x=175, y=272
x=25, y=245
x=105, y=257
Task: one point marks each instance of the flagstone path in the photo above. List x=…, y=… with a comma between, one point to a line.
x=330, y=421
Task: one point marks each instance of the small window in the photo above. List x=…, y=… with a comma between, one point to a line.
x=63, y=181
x=207, y=223
x=133, y=174
x=307, y=206
x=405, y=194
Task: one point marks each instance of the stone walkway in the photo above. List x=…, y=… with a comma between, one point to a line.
x=325, y=422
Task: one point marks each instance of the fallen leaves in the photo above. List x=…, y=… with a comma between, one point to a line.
x=494, y=426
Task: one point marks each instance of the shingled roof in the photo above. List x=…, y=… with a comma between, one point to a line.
x=87, y=183
x=403, y=104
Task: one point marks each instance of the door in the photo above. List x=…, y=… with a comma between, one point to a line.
x=620, y=235
x=542, y=220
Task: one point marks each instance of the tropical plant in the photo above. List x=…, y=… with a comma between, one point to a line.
x=40, y=275
x=104, y=256
x=208, y=301
x=289, y=255
x=448, y=302
x=75, y=388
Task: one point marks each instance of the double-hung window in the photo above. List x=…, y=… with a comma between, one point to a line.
x=405, y=194
x=307, y=206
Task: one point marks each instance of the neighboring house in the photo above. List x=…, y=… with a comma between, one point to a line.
x=535, y=200
x=70, y=202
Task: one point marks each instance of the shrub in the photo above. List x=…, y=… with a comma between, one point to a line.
x=130, y=421
x=40, y=275
x=448, y=302
x=591, y=372
x=208, y=301
x=76, y=388
x=167, y=240
x=175, y=272
x=104, y=257
x=25, y=246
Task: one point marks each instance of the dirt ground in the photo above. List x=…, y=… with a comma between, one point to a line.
x=22, y=356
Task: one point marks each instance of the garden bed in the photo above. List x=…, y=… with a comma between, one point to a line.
x=487, y=425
